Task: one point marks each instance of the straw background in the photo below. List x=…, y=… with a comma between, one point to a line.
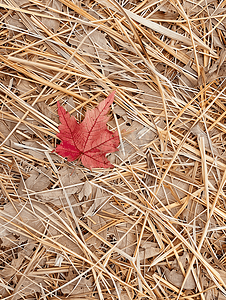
x=152, y=227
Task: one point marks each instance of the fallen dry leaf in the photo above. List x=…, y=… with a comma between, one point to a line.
x=176, y=278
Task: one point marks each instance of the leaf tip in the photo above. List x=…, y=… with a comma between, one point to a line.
x=111, y=96
x=58, y=104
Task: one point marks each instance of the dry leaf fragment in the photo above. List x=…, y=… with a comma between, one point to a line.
x=8, y=240
x=31, y=285
x=98, y=201
x=68, y=177
x=53, y=24
x=38, y=181
x=5, y=130
x=176, y=278
x=94, y=43
x=86, y=190
x=14, y=24
x=11, y=269
x=148, y=253
x=24, y=86
x=33, y=152
x=46, y=110
x=80, y=286
x=148, y=250
x=99, y=223
x=128, y=244
x=21, y=215
x=121, y=112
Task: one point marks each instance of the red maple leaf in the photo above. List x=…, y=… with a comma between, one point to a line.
x=90, y=140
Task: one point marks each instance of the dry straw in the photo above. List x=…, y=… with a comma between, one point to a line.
x=152, y=227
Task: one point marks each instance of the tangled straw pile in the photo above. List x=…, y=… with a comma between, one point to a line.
x=154, y=226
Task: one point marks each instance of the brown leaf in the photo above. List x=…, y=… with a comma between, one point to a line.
x=149, y=250
x=128, y=244
x=38, y=181
x=53, y=24
x=99, y=223
x=68, y=177
x=98, y=202
x=86, y=190
x=79, y=286
x=176, y=278
x=9, y=271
